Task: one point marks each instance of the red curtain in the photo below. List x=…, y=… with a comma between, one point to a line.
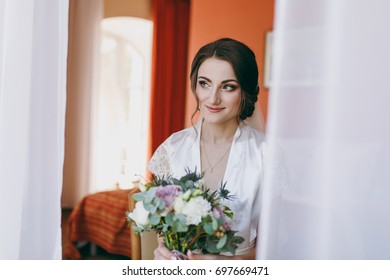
x=169, y=69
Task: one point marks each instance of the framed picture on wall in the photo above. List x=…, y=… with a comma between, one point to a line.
x=268, y=59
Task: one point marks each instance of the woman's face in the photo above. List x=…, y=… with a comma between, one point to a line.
x=218, y=91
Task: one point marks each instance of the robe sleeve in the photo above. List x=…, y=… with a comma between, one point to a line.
x=159, y=164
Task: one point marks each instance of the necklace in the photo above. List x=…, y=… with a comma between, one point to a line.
x=208, y=160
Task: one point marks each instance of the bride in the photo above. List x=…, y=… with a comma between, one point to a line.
x=224, y=80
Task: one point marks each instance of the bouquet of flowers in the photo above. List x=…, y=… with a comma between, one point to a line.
x=188, y=215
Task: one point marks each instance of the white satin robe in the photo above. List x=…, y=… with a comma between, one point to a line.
x=243, y=174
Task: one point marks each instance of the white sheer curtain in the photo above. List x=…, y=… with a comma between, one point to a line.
x=327, y=183
x=33, y=49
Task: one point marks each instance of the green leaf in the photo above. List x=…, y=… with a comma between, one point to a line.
x=165, y=228
x=222, y=242
x=180, y=227
x=151, y=207
x=211, y=245
x=232, y=242
x=179, y=224
x=139, y=196
x=147, y=228
x=228, y=212
x=199, y=228
x=150, y=194
x=169, y=219
x=208, y=228
x=189, y=185
x=175, y=181
x=237, y=240
x=181, y=218
x=137, y=229
x=230, y=248
x=161, y=205
x=154, y=219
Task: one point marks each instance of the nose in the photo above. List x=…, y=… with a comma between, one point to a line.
x=215, y=96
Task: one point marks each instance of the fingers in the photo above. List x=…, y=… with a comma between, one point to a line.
x=162, y=253
x=192, y=256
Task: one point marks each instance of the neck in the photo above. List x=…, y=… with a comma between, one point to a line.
x=219, y=133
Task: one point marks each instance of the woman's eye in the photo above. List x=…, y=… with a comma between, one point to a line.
x=229, y=87
x=203, y=84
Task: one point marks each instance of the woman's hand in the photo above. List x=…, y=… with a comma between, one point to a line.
x=163, y=253
x=192, y=256
x=248, y=256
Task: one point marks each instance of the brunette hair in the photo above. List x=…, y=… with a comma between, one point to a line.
x=243, y=61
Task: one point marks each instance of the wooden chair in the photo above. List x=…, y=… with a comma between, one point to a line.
x=135, y=239
x=142, y=248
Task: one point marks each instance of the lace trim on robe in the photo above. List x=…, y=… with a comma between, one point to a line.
x=159, y=163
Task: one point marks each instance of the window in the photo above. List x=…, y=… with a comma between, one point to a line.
x=121, y=116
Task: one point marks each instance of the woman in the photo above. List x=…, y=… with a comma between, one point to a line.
x=224, y=80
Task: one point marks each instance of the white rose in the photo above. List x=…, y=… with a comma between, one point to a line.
x=178, y=204
x=140, y=215
x=195, y=209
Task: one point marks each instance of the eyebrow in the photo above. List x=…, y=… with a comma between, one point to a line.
x=223, y=82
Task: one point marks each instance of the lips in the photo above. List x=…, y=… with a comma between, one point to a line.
x=215, y=109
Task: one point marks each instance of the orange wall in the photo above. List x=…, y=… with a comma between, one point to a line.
x=124, y=8
x=244, y=20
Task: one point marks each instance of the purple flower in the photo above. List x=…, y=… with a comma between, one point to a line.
x=168, y=193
